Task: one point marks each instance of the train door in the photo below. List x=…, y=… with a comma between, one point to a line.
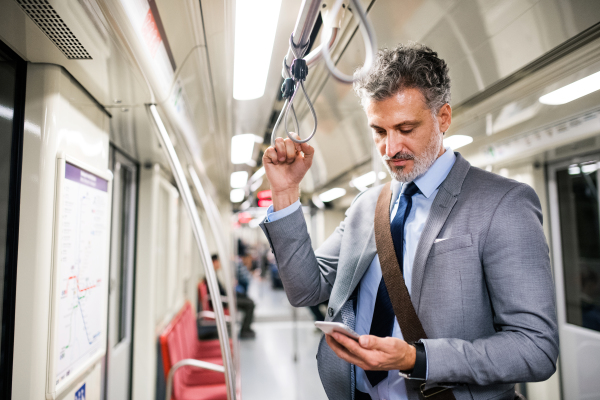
x=122, y=261
x=575, y=221
x=12, y=95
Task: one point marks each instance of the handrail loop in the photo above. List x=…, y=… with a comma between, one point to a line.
x=296, y=75
x=368, y=34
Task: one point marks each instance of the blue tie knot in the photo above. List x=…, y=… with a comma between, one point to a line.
x=411, y=189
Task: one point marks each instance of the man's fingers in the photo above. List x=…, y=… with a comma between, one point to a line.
x=290, y=150
x=351, y=345
x=280, y=147
x=308, y=150
x=372, y=342
x=342, y=352
x=270, y=156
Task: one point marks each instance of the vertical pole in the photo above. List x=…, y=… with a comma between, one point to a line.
x=215, y=224
x=211, y=277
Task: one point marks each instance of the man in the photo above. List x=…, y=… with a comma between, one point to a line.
x=469, y=248
x=244, y=303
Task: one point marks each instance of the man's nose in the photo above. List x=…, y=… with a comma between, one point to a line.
x=394, y=144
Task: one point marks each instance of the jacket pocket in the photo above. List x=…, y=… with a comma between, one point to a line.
x=450, y=244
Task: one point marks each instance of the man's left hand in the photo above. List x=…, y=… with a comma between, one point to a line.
x=373, y=353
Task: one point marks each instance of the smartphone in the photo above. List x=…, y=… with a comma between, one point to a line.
x=330, y=327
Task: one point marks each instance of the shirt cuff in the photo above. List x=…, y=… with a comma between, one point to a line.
x=273, y=216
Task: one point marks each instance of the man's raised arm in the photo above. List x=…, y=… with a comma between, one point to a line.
x=307, y=278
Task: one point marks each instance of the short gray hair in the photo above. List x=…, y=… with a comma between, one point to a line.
x=406, y=66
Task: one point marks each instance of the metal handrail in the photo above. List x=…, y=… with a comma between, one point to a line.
x=369, y=37
x=212, y=214
x=192, y=363
x=211, y=277
x=309, y=12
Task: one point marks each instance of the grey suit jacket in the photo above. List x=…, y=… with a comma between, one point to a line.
x=484, y=294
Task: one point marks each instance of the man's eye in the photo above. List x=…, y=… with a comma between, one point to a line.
x=381, y=133
x=406, y=130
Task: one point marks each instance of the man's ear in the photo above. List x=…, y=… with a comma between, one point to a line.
x=444, y=117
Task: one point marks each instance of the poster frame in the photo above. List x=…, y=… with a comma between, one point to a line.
x=53, y=390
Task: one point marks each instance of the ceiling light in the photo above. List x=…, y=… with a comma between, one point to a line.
x=255, y=26
x=238, y=179
x=457, y=141
x=589, y=168
x=574, y=170
x=363, y=181
x=242, y=148
x=573, y=91
x=332, y=194
x=237, y=195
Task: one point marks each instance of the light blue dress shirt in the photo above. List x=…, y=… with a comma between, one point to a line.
x=393, y=387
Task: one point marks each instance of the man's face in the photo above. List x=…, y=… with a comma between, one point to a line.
x=216, y=264
x=406, y=134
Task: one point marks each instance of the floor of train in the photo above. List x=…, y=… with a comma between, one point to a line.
x=271, y=366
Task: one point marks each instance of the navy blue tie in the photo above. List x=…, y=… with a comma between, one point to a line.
x=383, y=314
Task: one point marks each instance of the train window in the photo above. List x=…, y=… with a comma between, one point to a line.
x=12, y=96
x=580, y=235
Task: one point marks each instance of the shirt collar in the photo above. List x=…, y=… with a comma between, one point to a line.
x=435, y=175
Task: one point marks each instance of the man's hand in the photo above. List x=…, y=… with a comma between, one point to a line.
x=372, y=353
x=285, y=165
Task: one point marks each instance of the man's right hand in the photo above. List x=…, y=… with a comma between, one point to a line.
x=285, y=164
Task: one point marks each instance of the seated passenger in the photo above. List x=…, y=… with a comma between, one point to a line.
x=244, y=304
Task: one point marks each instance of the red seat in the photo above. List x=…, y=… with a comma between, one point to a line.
x=179, y=341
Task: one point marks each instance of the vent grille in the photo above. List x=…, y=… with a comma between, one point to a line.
x=48, y=20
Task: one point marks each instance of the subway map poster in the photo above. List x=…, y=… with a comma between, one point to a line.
x=81, y=266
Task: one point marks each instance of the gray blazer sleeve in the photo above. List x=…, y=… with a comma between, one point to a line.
x=307, y=276
x=517, y=271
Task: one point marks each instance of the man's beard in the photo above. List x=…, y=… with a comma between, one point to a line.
x=420, y=163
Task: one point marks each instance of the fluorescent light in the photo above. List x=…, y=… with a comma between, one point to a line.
x=363, y=181
x=574, y=170
x=457, y=141
x=382, y=175
x=242, y=148
x=332, y=194
x=589, y=168
x=238, y=179
x=237, y=195
x=573, y=91
x=255, y=27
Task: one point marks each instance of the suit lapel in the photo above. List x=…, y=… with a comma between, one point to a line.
x=440, y=210
x=369, y=250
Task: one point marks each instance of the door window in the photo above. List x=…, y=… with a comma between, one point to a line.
x=579, y=210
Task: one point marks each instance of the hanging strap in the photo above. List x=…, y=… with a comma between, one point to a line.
x=409, y=322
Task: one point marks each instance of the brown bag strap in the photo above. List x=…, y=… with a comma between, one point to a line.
x=409, y=322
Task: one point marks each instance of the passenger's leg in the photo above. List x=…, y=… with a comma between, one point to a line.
x=246, y=305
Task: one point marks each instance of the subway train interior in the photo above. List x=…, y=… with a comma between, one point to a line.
x=132, y=182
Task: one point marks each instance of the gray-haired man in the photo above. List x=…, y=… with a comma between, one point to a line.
x=469, y=246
